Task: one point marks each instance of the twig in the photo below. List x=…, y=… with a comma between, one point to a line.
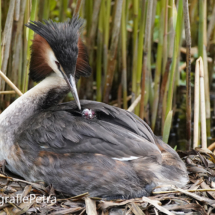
x=134, y=104
x=8, y=81
x=175, y=191
x=199, y=198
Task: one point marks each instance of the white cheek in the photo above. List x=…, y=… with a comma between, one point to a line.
x=51, y=62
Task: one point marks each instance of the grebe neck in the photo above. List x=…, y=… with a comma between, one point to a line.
x=47, y=93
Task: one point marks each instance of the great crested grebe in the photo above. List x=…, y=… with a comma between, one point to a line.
x=111, y=152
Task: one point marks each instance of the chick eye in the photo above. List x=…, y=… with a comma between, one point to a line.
x=58, y=64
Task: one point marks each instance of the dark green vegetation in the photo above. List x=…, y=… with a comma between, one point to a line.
x=135, y=47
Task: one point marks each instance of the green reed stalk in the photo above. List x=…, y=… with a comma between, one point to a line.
x=124, y=62
x=88, y=14
x=25, y=47
x=99, y=54
x=29, y=39
x=106, y=18
x=201, y=28
x=135, y=45
x=140, y=50
x=172, y=18
x=188, y=71
x=179, y=25
x=165, y=35
x=158, y=65
x=167, y=126
x=63, y=8
x=46, y=9
x=147, y=44
x=93, y=27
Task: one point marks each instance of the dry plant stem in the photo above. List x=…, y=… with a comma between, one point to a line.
x=196, y=107
x=134, y=104
x=78, y=7
x=147, y=39
x=6, y=41
x=199, y=198
x=155, y=204
x=7, y=92
x=113, y=48
x=202, y=102
x=90, y=206
x=207, y=89
x=17, y=10
x=175, y=191
x=7, y=80
x=188, y=71
x=212, y=146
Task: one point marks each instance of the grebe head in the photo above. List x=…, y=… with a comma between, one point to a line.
x=57, y=48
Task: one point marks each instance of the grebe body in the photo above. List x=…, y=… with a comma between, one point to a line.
x=111, y=153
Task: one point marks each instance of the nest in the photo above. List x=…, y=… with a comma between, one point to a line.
x=198, y=197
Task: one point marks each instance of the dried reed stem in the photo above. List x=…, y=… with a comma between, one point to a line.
x=196, y=106
x=6, y=40
x=202, y=102
x=8, y=92
x=9, y=82
x=134, y=104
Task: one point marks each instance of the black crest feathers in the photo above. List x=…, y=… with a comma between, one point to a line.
x=63, y=39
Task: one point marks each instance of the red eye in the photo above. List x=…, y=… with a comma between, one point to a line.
x=57, y=63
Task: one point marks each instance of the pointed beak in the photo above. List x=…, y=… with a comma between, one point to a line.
x=71, y=83
x=74, y=90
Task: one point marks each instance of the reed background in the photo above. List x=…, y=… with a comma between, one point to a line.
x=136, y=47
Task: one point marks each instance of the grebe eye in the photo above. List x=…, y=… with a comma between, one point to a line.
x=58, y=64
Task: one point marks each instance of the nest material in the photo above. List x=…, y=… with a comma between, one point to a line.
x=198, y=197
